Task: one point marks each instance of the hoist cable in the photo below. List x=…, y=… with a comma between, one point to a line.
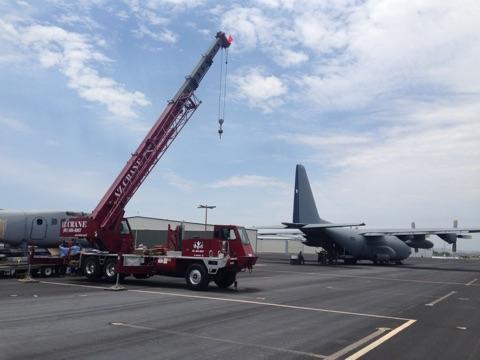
x=225, y=83
x=220, y=87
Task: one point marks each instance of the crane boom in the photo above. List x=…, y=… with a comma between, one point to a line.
x=104, y=223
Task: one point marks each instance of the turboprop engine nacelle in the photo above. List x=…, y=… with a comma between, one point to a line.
x=422, y=244
x=449, y=238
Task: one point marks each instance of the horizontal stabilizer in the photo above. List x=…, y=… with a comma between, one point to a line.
x=293, y=225
x=295, y=237
x=261, y=227
x=321, y=226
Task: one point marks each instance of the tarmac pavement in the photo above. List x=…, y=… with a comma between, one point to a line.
x=425, y=309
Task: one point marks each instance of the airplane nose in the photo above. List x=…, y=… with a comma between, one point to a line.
x=404, y=251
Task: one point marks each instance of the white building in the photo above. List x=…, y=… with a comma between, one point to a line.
x=153, y=231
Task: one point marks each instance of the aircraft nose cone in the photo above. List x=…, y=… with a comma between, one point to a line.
x=404, y=251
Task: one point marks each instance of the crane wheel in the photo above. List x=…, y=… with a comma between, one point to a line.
x=47, y=271
x=197, y=277
x=110, y=270
x=91, y=268
x=225, y=278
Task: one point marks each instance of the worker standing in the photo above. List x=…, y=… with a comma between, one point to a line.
x=301, y=259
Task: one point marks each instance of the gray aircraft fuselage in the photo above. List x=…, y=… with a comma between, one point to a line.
x=40, y=228
x=348, y=243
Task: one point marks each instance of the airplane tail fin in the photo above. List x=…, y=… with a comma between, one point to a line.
x=304, y=208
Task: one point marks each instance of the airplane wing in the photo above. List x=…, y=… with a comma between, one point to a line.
x=280, y=234
x=296, y=237
x=460, y=232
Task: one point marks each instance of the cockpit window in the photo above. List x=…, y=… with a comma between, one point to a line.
x=244, y=236
x=124, y=229
x=225, y=234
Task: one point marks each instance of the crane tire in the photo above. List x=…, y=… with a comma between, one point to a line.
x=47, y=271
x=197, y=277
x=224, y=278
x=92, y=268
x=110, y=270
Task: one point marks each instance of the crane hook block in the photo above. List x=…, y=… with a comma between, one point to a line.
x=220, y=130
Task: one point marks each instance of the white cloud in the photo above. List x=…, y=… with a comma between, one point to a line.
x=74, y=55
x=263, y=91
x=383, y=55
x=326, y=140
x=177, y=181
x=154, y=17
x=254, y=181
x=174, y=4
x=288, y=58
x=165, y=36
x=13, y=124
x=250, y=26
x=78, y=20
x=356, y=54
x=253, y=28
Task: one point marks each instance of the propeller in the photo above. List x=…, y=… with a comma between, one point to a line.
x=454, y=245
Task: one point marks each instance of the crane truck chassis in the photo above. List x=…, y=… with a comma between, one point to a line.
x=112, y=251
x=198, y=260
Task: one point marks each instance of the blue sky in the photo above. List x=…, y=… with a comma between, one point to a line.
x=378, y=99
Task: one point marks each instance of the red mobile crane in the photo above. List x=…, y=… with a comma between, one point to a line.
x=199, y=260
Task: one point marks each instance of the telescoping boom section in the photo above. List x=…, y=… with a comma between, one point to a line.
x=105, y=227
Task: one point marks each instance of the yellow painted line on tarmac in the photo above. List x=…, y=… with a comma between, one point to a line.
x=380, y=341
x=357, y=344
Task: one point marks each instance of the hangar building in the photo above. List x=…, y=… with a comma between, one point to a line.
x=153, y=231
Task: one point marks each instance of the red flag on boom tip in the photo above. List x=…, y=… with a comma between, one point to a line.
x=230, y=39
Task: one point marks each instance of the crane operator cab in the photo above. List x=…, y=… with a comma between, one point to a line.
x=236, y=243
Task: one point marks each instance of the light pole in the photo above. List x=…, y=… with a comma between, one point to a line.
x=206, y=207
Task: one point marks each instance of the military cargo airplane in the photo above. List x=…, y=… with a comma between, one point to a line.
x=350, y=243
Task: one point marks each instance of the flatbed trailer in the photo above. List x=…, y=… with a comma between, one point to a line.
x=45, y=266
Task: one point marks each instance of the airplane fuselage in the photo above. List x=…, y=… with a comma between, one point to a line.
x=349, y=243
x=40, y=228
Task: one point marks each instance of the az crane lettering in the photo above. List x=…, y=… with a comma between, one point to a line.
x=128, y=177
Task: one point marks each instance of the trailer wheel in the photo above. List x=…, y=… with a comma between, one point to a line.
x=197, y=277
x=91, y=268
x=47, y=271
x=110, y=270
x=225, y=278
